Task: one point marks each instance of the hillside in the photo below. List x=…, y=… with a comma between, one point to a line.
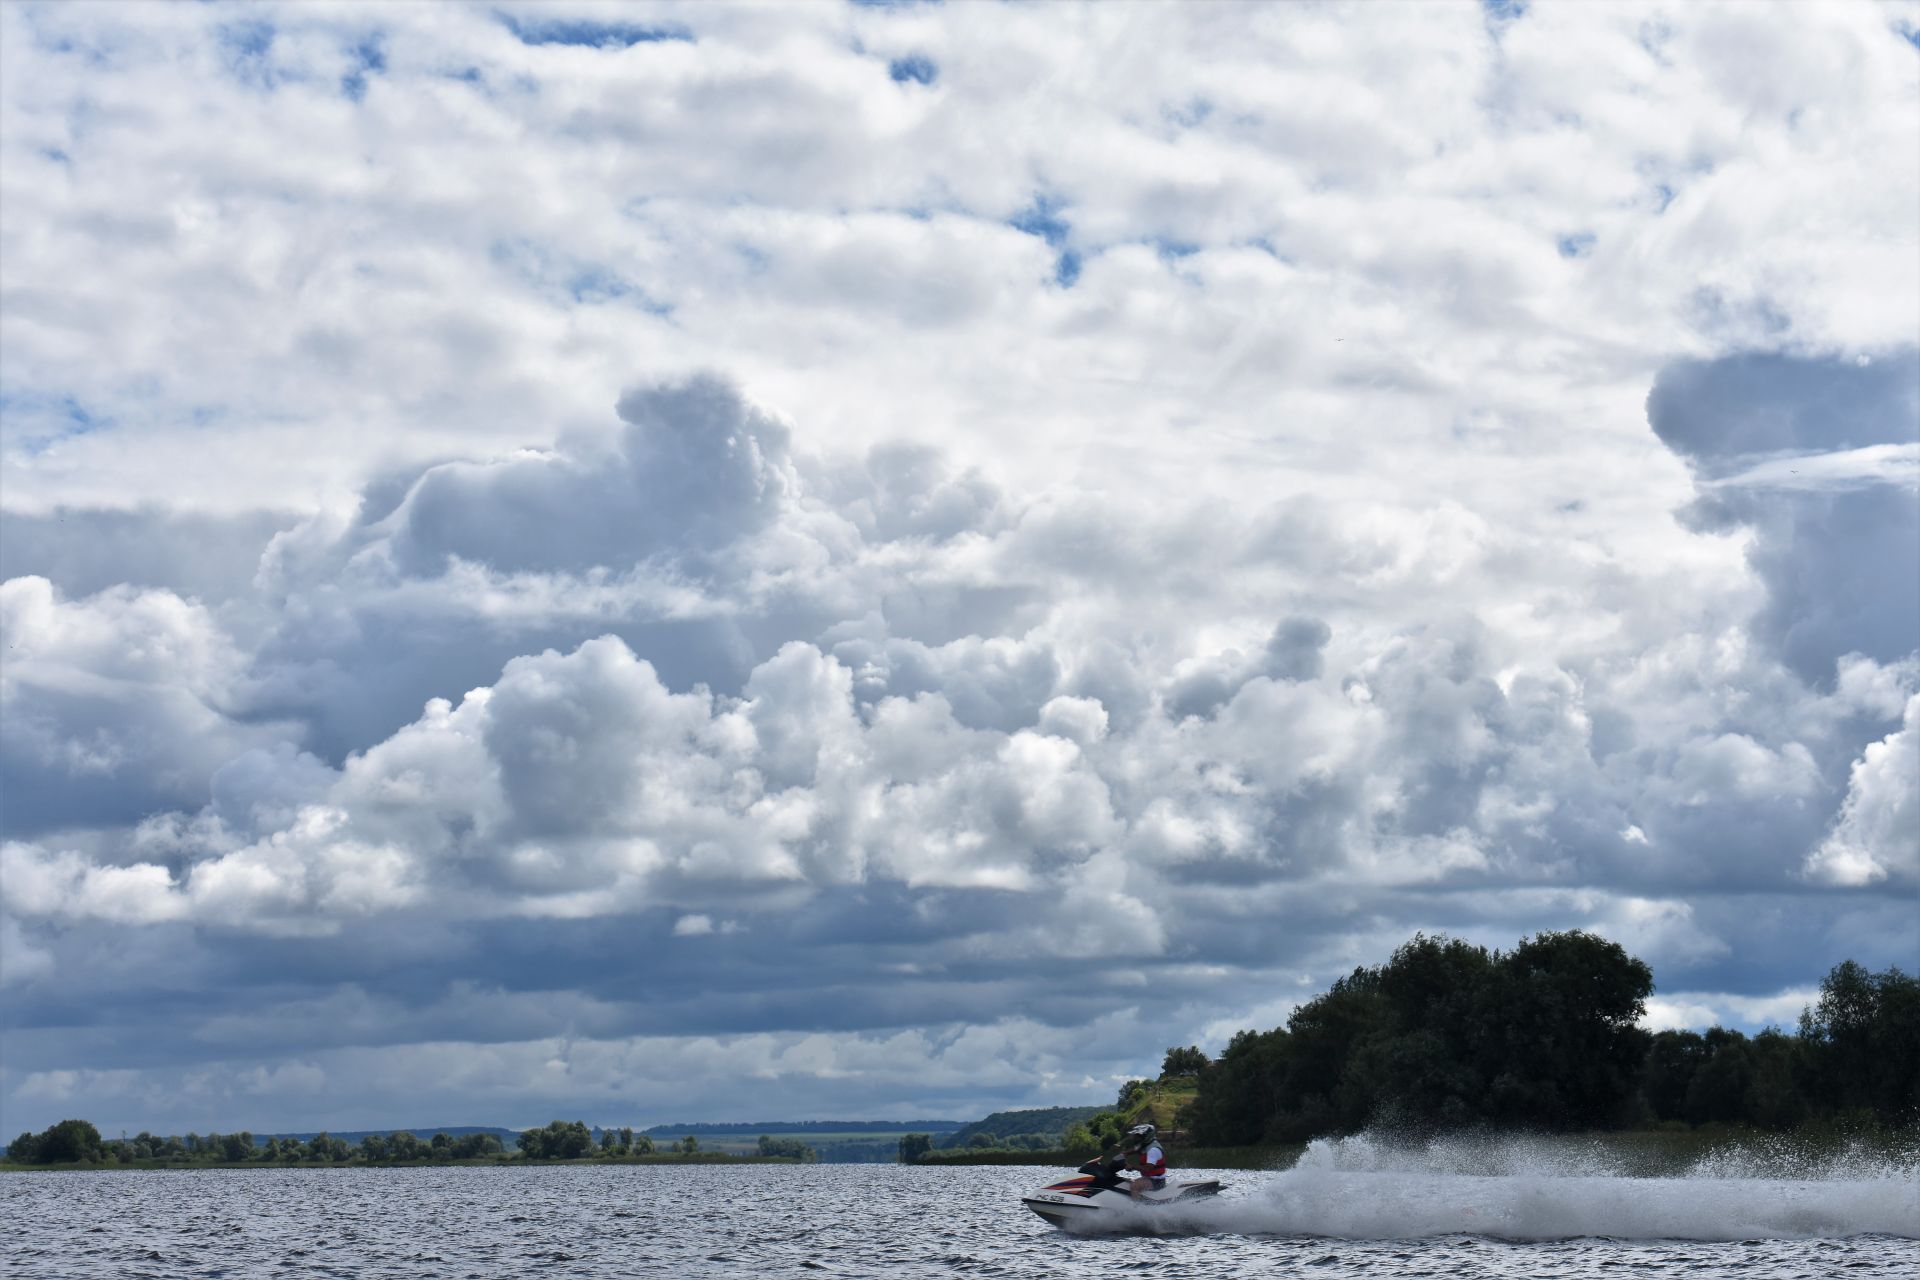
x=1051, y=1122
x=800, y=1128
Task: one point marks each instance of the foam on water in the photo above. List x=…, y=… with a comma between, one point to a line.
x=1368, y=1188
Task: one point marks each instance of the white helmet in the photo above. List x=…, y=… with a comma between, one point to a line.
x=1141, y=1135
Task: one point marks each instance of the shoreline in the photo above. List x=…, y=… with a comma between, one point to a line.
x=483, y=1162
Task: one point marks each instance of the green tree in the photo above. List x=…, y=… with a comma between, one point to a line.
x=689, y=1145
x=1718, y=1091
x=1182, y=1062
x=1862, y=1040
x=1558, y=1035
x=914, y=1145
x=560, y=1140
x=1667, y=1070
x=67, y=1142
x=476, y=1146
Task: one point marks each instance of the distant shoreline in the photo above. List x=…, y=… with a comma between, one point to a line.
x=500, y=1162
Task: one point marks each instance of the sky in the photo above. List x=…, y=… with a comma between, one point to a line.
x=826, y=560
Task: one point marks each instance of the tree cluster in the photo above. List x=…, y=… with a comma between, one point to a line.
x=1546, y=1036
x=67, y=1142
x=787, y=1149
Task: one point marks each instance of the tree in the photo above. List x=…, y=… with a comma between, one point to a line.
x=1558, y=1037
x=689, y=1145
x=1863, y=1041
x=67, y=1142
x=475, y=1146
x=787, y=1148
x=1666, y=1072
x=1130, y=1095
x=1182, y=1062
x=560, y=1140
x=914, y=1145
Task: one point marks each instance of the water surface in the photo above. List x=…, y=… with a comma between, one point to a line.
x=1342, y=1212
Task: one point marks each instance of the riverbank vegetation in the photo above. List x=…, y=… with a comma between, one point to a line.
x=78, y=1144
x=1447, y=1035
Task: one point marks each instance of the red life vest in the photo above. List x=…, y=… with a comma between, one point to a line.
x=1153, y=1161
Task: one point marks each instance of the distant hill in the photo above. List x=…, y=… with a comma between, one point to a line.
x=1052, y=1121
x=506, y=1136
x=798, y=1127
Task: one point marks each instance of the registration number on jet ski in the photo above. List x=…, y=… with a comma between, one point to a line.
x=1049, y=1196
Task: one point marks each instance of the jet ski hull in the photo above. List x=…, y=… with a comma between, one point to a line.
x=1090, y=1199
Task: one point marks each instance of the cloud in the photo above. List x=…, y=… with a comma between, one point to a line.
x=117, y=705
x=1093, y=536
x=1840, y=550
x=1877, y=835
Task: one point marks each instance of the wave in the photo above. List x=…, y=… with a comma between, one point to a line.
x=1374, y=1188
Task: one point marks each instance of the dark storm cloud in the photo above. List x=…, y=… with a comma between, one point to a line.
x=1720, y=412
x=1841, y=559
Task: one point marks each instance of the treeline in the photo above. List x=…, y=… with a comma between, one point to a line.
x=1447, y=1035
x=79, y=1142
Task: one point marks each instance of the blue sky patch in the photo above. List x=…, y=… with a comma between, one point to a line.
x=916, y=68
x=368, y=59
x=1042, y=218
x=1577, y=245
x=588, y=34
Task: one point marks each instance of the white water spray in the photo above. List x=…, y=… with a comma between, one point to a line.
x=1368, y=1188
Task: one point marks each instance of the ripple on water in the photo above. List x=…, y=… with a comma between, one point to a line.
x=701, y=1220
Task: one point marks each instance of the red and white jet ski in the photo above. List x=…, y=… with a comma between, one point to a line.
x=1100, y=1191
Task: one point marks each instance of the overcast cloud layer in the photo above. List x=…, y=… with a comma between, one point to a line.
x=664, y=563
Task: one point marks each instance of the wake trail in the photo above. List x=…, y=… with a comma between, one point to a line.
x=1366, y=1188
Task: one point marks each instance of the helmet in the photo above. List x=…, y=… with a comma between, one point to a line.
x=1141, y=1135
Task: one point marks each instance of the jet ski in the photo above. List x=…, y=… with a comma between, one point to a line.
x=1100, y=1192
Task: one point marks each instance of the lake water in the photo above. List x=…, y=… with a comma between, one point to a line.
x=1346, y=1210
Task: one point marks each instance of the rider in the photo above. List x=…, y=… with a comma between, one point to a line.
x=1142, y=1150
